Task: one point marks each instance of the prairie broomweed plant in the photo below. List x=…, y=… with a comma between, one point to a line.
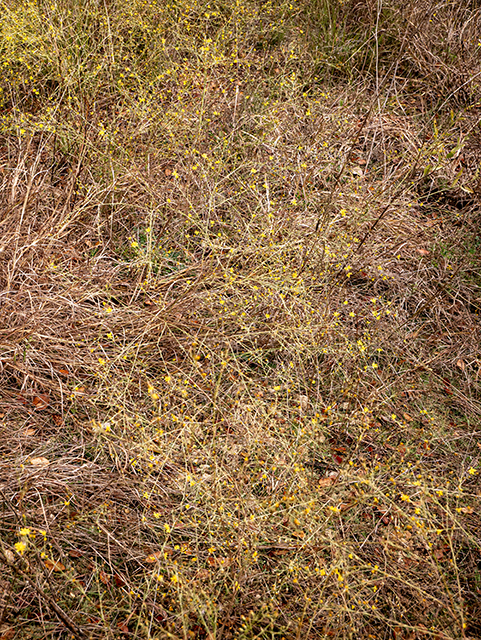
x=239, y=319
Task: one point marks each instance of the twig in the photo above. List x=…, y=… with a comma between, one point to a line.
x=60, y=613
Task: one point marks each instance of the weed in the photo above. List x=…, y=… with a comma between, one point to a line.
x=239, y=319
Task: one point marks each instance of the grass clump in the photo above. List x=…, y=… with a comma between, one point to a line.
x=239, y=337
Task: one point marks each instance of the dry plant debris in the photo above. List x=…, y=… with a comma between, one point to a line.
x=240, y=293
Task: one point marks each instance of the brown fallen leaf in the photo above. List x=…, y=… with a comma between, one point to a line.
x=407, y=417
x=73, y=553
x=30, y=431
x=123, y=627
x=39, y=462
x=104, y=578
x=299, y=534
x=157, y=555
x=383, y=516
x=185, y=548
x=64, y=372
x=57, y=419
x=460, y=364
x=423, y=252
x=41, y=402
x=118, y=581
x=280, y=552
x=326, y=482
x=202, y=574
x=54, y=565
x=7, y=634
x=466, y=510
x=212, y=561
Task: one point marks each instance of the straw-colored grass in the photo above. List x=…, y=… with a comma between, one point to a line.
x=240, y=291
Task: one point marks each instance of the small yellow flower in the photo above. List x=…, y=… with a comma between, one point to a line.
x=472, y=471
x=25, y=531
x=20, y=547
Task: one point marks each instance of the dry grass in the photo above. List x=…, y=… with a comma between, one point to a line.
x=239, y=320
